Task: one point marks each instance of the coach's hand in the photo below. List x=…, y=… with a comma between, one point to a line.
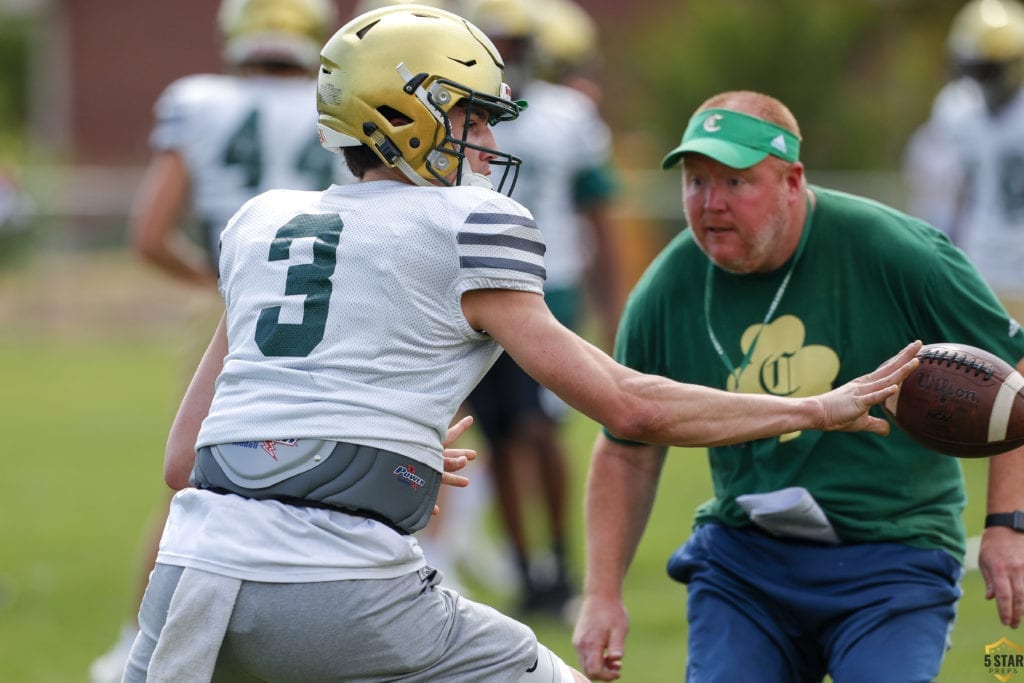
x=1001, y=557
x=1001, y=561
x=600, y=637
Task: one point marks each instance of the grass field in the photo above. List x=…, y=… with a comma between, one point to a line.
x=89, y=360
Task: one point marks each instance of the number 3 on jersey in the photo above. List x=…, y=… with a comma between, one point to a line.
x=313, y=280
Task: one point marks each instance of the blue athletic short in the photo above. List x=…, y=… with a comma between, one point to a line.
x=786, y=611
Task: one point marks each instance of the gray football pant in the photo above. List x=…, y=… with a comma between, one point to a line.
x=407, y=628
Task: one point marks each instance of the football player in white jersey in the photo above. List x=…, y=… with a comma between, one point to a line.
x=219, y=140
x=932, y=167
x=978, y=119
x=308, y=447
x=567, y=185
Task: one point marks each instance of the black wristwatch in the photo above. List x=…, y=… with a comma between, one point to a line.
x=1014, y=520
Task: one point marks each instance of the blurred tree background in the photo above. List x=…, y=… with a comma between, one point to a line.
x=14, y=75
x=15, y=205
x=859, y=75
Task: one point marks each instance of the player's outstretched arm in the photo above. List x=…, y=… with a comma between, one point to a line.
x=655, y=410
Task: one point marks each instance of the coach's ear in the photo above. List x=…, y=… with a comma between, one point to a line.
x=796, y=188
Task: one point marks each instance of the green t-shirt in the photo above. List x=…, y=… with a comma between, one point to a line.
x=868, y=281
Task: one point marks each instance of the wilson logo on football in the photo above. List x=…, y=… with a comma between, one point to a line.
x=407, y=475
x=962, y=401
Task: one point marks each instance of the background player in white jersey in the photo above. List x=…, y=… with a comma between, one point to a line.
x=219, y=140
x=977, y=147
x=357, y=320
x=932, y=167
x=566, y=184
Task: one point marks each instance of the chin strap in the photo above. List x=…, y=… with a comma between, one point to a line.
x=410, y=173
x=476, y=180
x=467, y=179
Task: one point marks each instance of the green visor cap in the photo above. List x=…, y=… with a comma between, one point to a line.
x=734, y=139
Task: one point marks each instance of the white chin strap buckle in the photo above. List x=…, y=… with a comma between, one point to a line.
x=476, y=180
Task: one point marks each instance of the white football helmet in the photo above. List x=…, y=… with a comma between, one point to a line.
x=388, y=79
x=275, y=31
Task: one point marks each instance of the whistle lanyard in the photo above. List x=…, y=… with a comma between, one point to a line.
x=734, y=371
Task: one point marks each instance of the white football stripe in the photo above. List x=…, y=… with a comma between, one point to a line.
x=999, y=422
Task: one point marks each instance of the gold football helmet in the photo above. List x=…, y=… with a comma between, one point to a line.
x=388, y=80
x=986, y=43
x=988, y=31
x=510, y=24
x=566, y=39
x=364, y=6
x=281, y=31
x=501, y=18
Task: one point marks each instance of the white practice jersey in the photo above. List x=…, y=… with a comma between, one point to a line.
x=991, y=152
x=932, y=164
x=345, y=323
x=559, y=136
x=240, y=136
x=344, y=311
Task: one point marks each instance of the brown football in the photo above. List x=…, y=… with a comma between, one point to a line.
x=961, y=401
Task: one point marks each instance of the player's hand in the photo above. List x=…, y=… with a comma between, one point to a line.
x=600, y=637
x=456, y=458
x=1001, y=561
x=846, y=408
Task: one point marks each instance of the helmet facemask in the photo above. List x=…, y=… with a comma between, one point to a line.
x=452, y=148
x=999, y=81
